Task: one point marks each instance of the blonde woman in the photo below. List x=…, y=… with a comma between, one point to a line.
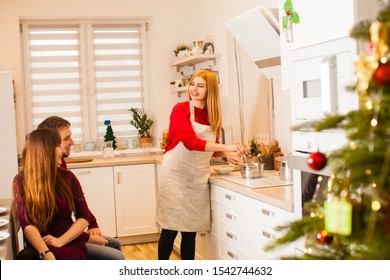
x=183, y=202
x=46, y=196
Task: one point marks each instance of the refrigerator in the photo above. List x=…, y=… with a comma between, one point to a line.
x=8, y=145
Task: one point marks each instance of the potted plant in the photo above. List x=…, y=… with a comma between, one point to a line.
x=143, y=125
x=182, y=49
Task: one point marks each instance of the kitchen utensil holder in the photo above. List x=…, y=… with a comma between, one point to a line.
x=268, y=162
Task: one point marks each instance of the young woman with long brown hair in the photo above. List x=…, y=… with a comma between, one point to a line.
x=46, y=196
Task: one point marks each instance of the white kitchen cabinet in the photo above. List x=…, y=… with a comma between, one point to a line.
x=317, y=26
x=232, y=223
x=207, y=242
x=265, y=218
x=135, y=199
x=97, y=184
x=245, y=225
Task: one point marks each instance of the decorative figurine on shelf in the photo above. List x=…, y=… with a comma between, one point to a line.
x=198, y=48
x=208, y=45
x=109, y=134
x=208, y=48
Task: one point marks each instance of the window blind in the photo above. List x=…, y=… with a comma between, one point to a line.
x=85, y=72
x=117, y=75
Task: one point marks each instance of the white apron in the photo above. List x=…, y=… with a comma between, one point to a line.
x=183, y=197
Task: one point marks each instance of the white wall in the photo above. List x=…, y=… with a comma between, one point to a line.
x=172, y=22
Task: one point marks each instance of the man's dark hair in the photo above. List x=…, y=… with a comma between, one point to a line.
x=54, y=122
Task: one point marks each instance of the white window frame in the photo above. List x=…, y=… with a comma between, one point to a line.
x=90, y=127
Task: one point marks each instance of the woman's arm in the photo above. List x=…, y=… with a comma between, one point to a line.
x=34, y=237
x=74, y=231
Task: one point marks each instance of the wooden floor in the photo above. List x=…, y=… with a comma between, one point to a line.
x=144, y=251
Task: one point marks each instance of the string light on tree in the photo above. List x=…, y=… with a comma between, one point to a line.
x=324, y=237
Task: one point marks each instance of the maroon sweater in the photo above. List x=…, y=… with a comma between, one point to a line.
x=62, y=219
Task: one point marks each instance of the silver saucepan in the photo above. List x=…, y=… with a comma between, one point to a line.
x=252, y=170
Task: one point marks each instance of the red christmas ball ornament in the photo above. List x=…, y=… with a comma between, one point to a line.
x=382, y=74
x=324, y=237
x=317, y=160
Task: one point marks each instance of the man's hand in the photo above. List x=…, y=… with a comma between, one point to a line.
x=95, y=231
x=96, y=239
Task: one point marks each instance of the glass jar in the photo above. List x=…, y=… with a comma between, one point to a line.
x=108, y=150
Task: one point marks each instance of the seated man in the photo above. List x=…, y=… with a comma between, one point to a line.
x=99, y=247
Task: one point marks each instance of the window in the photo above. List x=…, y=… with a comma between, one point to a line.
x=85, y=71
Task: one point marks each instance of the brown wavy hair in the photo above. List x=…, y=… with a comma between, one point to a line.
x=42, y=180
x=213, y=101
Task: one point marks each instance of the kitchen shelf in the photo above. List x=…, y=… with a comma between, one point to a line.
x=179, y=89
x=193, y=60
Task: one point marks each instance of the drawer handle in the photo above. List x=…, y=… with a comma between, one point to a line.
x=228, y=196
x=231, y=254
x=118, y=177
x=231, y=235
x=268, y=235
x=231, y=217
x=85, y=172
x=267, y=212
x=203, y=234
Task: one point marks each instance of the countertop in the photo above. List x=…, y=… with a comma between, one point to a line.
x=279, y=196
x=100, y=161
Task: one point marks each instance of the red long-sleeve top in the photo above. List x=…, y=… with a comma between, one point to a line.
x=180, y=128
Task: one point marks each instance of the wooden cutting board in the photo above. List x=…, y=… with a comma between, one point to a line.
x=78, y=159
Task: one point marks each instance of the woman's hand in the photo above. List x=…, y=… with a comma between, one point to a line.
x=238, y=149
x=234, y=153
x=53, y=241
x=233, y=158
x=49, y=256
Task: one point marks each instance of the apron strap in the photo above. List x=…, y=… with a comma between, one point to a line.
x=192, y=112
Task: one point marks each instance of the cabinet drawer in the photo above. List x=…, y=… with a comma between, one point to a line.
x=206, y=246
x=231, y=199
x=238, y=239
x=233, y=218
x=263, y=235
x=270, y=215
x=228, y=252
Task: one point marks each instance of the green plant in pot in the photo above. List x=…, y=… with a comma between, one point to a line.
x=182, y=47
x=143, y=124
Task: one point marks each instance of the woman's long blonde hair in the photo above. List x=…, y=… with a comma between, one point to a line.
x=213, y=101
x=42, y=182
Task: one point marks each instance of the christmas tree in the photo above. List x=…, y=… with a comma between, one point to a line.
x=109, y=134
x=354, y=220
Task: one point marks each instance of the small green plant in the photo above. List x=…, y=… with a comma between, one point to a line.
x=252, y=147
x=141, y=122
x=181, y=47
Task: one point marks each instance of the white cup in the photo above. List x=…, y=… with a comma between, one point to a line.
x=77, y=147
x=130, y=143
